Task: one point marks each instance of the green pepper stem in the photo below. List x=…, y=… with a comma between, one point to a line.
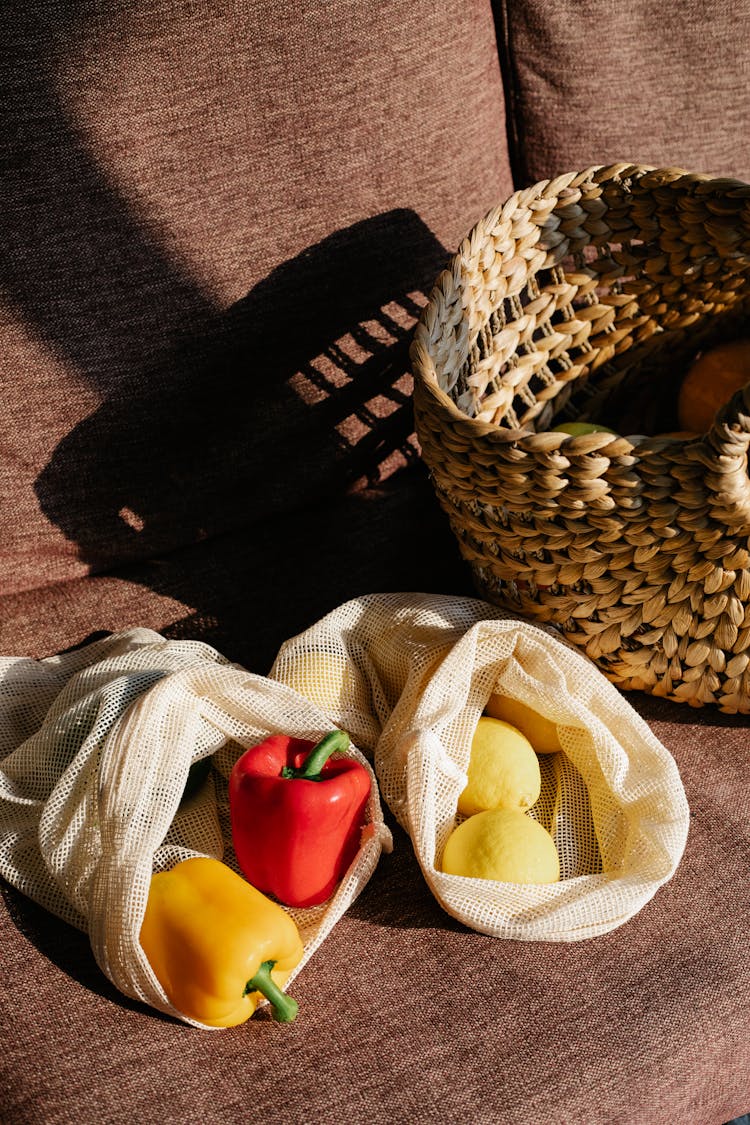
x=284, y=1007
x=318, y=756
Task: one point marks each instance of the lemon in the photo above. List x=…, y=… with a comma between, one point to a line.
x=541, y=733
x=326, y=679
x=503, y=769
x=502, y=844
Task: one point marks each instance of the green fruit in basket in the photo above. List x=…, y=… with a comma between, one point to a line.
x=575, y=429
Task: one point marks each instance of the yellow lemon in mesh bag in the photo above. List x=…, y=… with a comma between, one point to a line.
x=541, y=732
x=503, y=769
x=502, y=844
x=325, y=678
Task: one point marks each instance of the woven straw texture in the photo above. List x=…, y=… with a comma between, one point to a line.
x=95, y=749
x=409, y=675
x=586, y=298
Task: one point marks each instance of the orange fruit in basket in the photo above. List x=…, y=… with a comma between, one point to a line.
x=710, y=382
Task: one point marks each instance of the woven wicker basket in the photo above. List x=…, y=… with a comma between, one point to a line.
x=587, y=297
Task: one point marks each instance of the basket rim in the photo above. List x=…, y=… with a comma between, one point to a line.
x=525, y=436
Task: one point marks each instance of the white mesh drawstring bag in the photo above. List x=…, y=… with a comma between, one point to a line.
x=409, y=675
x=95, y=751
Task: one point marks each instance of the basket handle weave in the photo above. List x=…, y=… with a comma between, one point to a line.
x=724, y=452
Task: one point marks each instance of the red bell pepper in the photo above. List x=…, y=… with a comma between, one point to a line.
x=297, y=815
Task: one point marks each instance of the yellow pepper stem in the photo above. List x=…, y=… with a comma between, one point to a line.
x=284, y=1008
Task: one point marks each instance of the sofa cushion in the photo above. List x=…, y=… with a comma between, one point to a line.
x=599, y=83
x=218, y=227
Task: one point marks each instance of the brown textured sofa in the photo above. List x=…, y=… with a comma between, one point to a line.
x=219, y=224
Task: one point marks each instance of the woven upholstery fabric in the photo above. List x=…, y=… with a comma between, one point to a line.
x=596, y=82
x=218, y=226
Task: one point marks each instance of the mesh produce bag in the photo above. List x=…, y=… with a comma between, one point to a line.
x=409, y=675
x=95, y=751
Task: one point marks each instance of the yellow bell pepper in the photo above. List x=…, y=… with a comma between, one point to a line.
x=217, y=945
